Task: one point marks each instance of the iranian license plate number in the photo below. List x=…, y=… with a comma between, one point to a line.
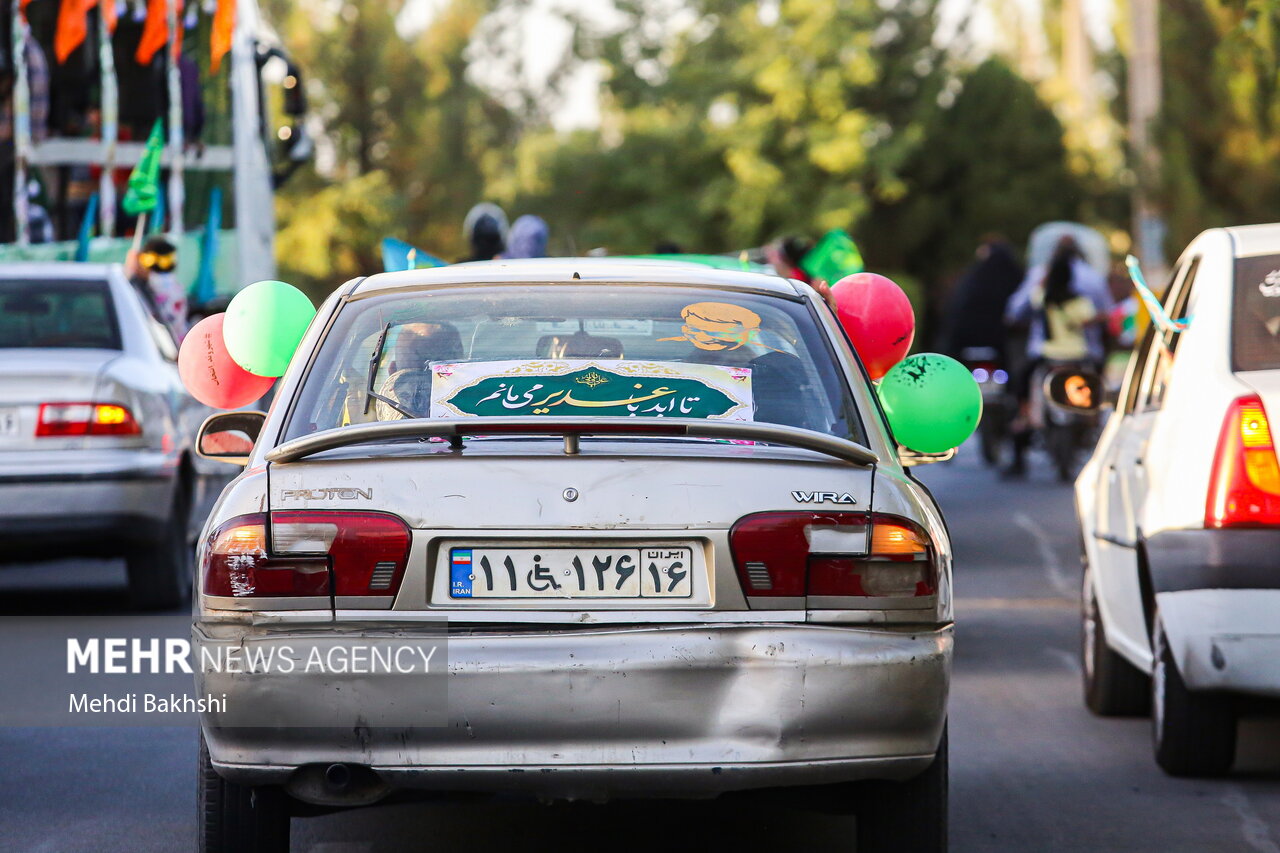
x=664, y=572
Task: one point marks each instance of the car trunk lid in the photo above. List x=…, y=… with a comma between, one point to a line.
x=616, y=504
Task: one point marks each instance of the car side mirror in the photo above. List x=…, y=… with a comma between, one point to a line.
x=1079, y=391
x=907, y=458
x=229, y=436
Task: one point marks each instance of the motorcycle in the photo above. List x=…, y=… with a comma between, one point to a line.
x=1065, y=432
x=988, y=371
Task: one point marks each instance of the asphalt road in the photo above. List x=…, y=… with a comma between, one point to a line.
x=1031, y=770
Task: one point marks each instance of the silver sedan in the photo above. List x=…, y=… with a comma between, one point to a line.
x=651, y=516
x=96, y=431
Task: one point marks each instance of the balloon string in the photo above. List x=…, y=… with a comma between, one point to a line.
x=1158, y=314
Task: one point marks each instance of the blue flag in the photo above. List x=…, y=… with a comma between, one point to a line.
x=206, y=287
x=397, y=256
x=86, y=229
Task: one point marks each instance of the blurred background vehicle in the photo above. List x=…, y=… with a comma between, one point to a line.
x=96, y=429
x=77, y=112
x=1179, y=510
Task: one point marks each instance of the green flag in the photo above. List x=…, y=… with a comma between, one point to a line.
x=144, y=180
x=835, y=257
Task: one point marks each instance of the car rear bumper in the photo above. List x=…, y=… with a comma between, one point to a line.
x=673, y=710
x=1214, y=559
x=1225, y=639
x=84, y=502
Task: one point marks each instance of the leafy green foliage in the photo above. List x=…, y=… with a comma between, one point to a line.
x=406, y=136
x=724, y=125
x=993, y=160
x=1218, y=129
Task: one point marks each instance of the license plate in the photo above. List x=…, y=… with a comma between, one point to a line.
x=8, y=421
x=571, y=572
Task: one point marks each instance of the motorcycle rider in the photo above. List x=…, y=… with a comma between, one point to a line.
x=977, y=305
x=1063, y=302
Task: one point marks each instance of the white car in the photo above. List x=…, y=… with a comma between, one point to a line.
x=658, y=509
x=1179, y=510
x=96, y=430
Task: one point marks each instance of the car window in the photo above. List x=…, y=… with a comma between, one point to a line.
x=163, y=337
x=1129, y=393
x=50, y=313
x=1255, y=333
x=574, y=351
x=1159, y=369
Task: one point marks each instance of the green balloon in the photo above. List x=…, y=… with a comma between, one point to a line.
x=264, y=324
x=932, y=402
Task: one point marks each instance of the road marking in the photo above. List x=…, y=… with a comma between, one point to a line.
x=1016, y=604
x=1071, y=662
x=1048, y=557
x=1254, y=829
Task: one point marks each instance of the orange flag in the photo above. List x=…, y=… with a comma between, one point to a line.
x=224, y=24
x=73, y=26
x=155, y=31
x=108, y=8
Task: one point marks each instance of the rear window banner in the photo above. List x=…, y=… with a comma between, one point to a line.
x=592, y=388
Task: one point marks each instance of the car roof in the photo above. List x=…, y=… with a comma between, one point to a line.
x=1249, y=240
x=60, y=270
x=621, y=270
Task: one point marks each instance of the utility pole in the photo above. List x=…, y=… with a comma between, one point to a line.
x=1077, y=60
x=1144, y=107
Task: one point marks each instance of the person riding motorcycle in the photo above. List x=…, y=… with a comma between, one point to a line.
x=1064, y=302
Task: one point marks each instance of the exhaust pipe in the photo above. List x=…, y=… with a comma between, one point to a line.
x=338, y=784
x=337, y=777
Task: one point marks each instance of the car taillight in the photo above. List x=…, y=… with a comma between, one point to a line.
x=868, y=555
x=71, y=419
x=307, y=554
x=238, y=564
x=1244, y=485
x=368, y=551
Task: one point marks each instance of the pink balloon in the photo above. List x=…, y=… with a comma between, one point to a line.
x=878, y=318
x=209, y=372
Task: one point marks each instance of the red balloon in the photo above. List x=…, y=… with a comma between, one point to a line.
x=878, y=318
x=209, y=372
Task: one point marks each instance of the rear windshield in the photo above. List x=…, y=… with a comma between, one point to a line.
x=42, y=313
x=573, y=351
x=1256, y=321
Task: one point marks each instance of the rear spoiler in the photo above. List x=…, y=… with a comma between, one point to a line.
x=572, y=430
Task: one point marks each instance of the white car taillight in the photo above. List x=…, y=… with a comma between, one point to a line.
x=73, y=419
x=1244, y=485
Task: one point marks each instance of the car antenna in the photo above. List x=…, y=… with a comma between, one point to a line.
x=577, y=277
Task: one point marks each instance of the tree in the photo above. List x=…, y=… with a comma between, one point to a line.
x=404, y=141
x=738, y=123
x=1218, y=128
x=993, y=160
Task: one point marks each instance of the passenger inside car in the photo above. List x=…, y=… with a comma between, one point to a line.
x=409, y=382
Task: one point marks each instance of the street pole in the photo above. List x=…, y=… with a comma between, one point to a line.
x=1144, y=107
